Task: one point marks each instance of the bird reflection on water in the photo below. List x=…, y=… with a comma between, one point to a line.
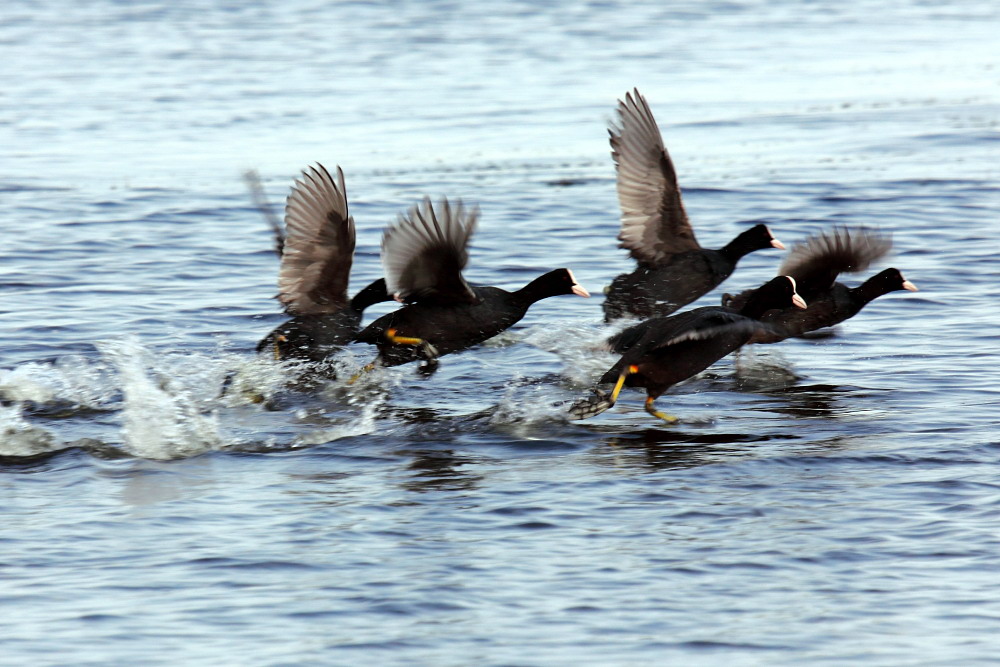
x=807, y=402
x=439, y=470
x=668, y=449
x=770, y=375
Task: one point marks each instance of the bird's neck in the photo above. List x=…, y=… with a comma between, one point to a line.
x=758, y=304
x=534, y=291
x=374, y=293
x=737, y=248
x=870, y=290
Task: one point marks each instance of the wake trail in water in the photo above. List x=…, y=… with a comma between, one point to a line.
x=179, y=404
x=182, y=404
x=70, y=386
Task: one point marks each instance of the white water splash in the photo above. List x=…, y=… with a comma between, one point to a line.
x=531, y=404
x=369, y=388
x=339, y=380
x=502, y=339
x=360, y=425
x=19, y=439
x=258, y=379
x=161, y=418
x=580, y=347
x=71, y=379
x=760, y=367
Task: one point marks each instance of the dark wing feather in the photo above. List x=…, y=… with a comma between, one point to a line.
x=622, y=341
x=649, y=334
x=816, y=262
x=252, y=178
x=319, y=245
x=708, y=325
x=737, y=301
x=425, y=251
x=654, y=223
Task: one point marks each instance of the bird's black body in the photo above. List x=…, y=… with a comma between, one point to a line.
x=660, y=352
x=316, y=249
x=673, y=269
x=674, y=348
x=831, y=307
x=423, y=255
x=314, y=337
x=452, y=327
x=816, y=265
x=663, y=364
x=654, y=290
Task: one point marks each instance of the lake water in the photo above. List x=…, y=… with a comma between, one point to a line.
x=832, y=501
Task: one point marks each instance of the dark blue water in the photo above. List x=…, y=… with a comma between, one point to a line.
x=832, y=501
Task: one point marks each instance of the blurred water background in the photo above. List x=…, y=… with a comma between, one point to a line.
x=829, y=501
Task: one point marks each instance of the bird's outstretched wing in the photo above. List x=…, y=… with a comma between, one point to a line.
x=424, y=253
x=816, y=262
x=654, y=224
x=319, y=245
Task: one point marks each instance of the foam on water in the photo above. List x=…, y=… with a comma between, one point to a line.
x=19, y=439
x=161, y=414
x=178, y=404
x=71, y=379
x=257, y=379
x=762, y=367
x=580, y=347
x=361, y=424
x=528, y=403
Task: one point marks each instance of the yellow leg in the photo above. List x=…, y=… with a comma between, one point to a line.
x=390, y=334
x=670, y=419
x=429, y=349
x=364, y=369
x=280, y=338
x=621, y=382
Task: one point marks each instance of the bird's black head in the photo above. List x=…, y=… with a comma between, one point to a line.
x=884, y=282
x=555, y=283
x=778, y=292
x=757, y=237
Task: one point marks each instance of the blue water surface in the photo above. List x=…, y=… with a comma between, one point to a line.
x=824, y=502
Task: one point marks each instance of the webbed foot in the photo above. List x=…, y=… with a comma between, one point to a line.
x=430, y=352
x=591, y=406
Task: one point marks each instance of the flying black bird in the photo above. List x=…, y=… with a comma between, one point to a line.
x=815, y=264
x=317, y=250
x=423, y=256
x=673, y=269
x=662, y=351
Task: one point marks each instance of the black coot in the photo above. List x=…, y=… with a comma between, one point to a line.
x=673, y=269
x=317, y=250
x=660, y=352
x=815, y=264
x=423, y=256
